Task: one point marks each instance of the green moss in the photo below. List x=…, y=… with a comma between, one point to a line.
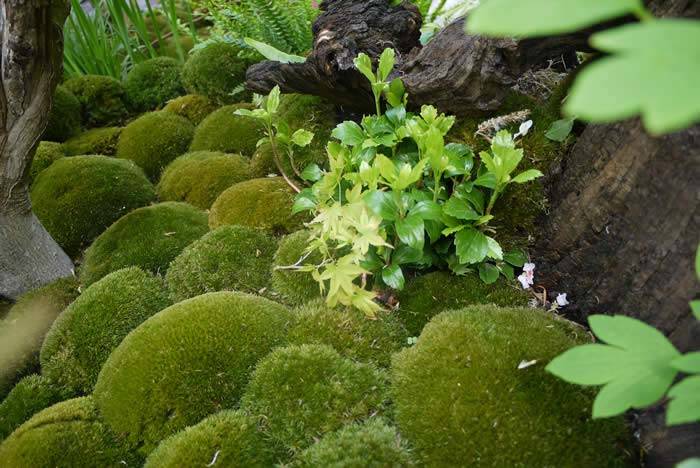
x=427, y=295
x=302, y=392
x=232, y=435
x=65, y=116
x=84, y=336
x=46, y=153
x=263, y=162
x=189, y=361
x=168, y=47
x=102, y=99
x=260, y=203
x=373, y=444
x=349, y=332
x=149, y=238
x=23, y=329
x=77, y=198
x=102, y=141
x=227, y=132
x=154, y=140
x=215, y=71
x=460, y=398
x=68, y=434
x=199, y=178
x=231, y=258
x=193, y=107
x=295, y=287
x=150, y=84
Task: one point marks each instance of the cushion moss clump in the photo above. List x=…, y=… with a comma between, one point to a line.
x=227, y=132
x=295, y=287
x=87, y=332
x=263, y=163
x=460, y=398
x=193, y=107
x=46, y=153
x=300, y=393
x=102, y=141
x=102, y=99
x=373, y=444
x=77, y=198
x=65, y=116
x=149, y=238
x=231, y=258
x=260, y=203
x=152, y=83
x=232, y=435
x=187, y=362
x=215, y=71
x=154, y=140
x=427, y=295
x=199, y=178
x=349, y=332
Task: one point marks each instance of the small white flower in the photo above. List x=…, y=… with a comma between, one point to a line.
x=527, y=277
x=524, y=128
x=561, y=300
x=524, y=281
x=529, y=267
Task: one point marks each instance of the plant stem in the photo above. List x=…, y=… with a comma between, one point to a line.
x=643, y=14
x=492, y=201
x=275, y=157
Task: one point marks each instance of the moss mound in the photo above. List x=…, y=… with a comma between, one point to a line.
x=202, y=351
x=149, y=238
x=65, y=116
x=102, y=99
x=373, y=444
x=260, y=203
x=427, y=295
x=193, y=107
x=46, y=153
x=227, y=132
x=349, y=332
x=231, y=434
x=84, y=336
x=302, y=392
x=155, y=139
x=263, y=163
x=199, y=178
x=102, y=141
x=150, y=84
x=231, y=258
x=68, y=434
x=294, y=287
x=77, y=198
x=215, y=71
x=460, y=398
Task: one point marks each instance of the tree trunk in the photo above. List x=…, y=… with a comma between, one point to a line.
x=31, y=45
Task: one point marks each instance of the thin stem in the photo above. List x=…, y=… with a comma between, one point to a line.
x=275, y=157
x=492, y=201
x=643, y=14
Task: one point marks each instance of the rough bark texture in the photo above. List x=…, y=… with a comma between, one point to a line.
x=31, y=46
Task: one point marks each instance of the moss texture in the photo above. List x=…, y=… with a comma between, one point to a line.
x=295, y=287
x=215, y=71
x=460, y=398
x=232, y=435
x=202, y=351
x=263, y=163
x=86, y=333
x=300, y=393
x=427, y=295
x=102, y=99
x=68, y=434
x=199, y=178
x=149, y=238
x=373, y=444
x=151, y=84
x=46, y=153
x=231, y=258
x=193, y=107
x=102, y=141
x=77, y=198
x=260, y=203
x=227, y=132
x=154, y=140
x=65, y=116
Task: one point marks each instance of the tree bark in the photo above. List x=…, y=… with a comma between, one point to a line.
x=31, y=64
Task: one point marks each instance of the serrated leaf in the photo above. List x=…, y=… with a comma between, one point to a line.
x=272, y=53
x=516, y=257
x=460, y=209
x=382, y=204
x=349, y=133
x=685, y=402
x=364, y=64
x=393, y=277
x=560, y=129
x=311, y=173
x=495, y=250
x=487, y=180
x=396, y=115
x=633, y=335
x=411, y=231
x=386, y=63
x=689, y=363
x=472, y=246
x=488, y=273
x=527, y=176
x=302, y=137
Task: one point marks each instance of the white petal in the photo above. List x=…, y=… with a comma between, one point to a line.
x=561, y=300
x=529, y=267
x=524, y=128
x=525, y=281
x=526, y=364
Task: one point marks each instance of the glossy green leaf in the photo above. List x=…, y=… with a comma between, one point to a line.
x=364, y=64
x=405, y=254
x=516, y=257
x=396, y=95
x=411, y=231
x=487, y=180
x=302, y=137
x=472, y=246
x=311, y=172
x=393, y=277
x=273, y=100
x=304, y=201
x=527, y=176
x=507, y=271
x=387, y=168
x=427, y=209
x=396, y=115
x=560, y=129
x=460, y=209
x=495, y=251
x=488, y=273
x=684, y=406
x=382, y=204
x=349, y=133
x=386, y=63
x=689, y=363
x=272, y=53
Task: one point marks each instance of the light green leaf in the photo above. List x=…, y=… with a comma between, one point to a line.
x=633, y=335
x=472, y=246
x=495, y=250
x=386, y=63
x=697, y=263
x=349, y=133
x=689, y=363
x=507, y=271
x=304, y=201
x=411, y=231
x=590, y=364
x=382, y=204
x=560, y=129
x=527, y=176
x=244, y=112
x=302, y=137
x=364, y=64
x=516, y=257
x=393, y=277
x=387, y=168
x=460, y=209
x=487, y=180
x=311, y=172
x=273, y=100
x=488, y=273
x=689, y=463
x=695, y=308
x=271, y=53
x=396, y=95
x=685, y=402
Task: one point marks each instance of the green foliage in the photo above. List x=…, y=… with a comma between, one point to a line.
x=102, y=99
x=272, y=53
x=77, y=198
x=101, y=141
x=187, y=362
x=150, y=84
x=65, y=116
x=85, y=334
x=293, y=287
x=227, y=132
x=299, y=393
x=46, y=153
x=193, y=107
x=231, y=258
x=469, y=393
x=149, y=238
x=216, y=71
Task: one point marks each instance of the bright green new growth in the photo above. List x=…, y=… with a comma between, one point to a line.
x=65, y=116
x=102, y=141
x=77, y=198
x=227, y=132
x=295, y=287
x=217, y=72
x=231, y=434
x=85, y=334
x=154, y=140
x=189, y=361
x=473, y=391
x=231, y=258
x=103, y=99
x=199, y=178
x=193, y=107
x=150, y=84
x=149, y=238
x=46, y=153
x=300, y=393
